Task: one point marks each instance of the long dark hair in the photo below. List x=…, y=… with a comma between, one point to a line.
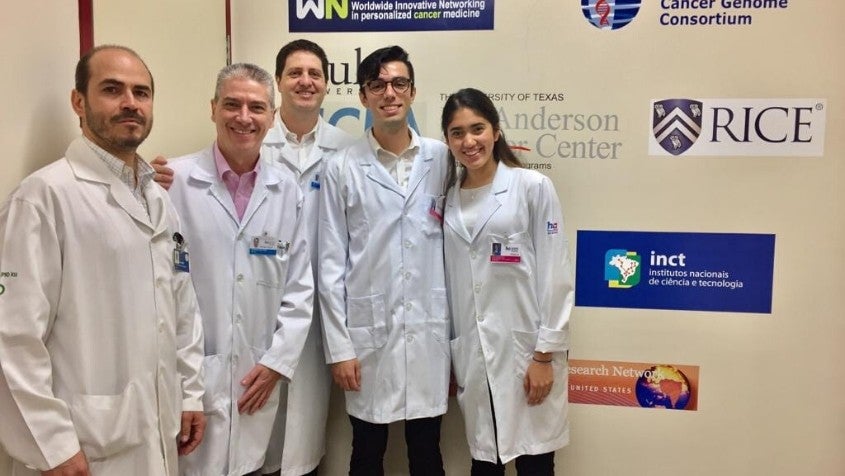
x=479, y=103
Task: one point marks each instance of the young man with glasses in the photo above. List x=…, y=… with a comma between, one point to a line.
x=381, y=280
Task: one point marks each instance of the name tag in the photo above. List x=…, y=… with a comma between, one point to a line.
x=268, y=245
x=180, y=256
x=505, y=253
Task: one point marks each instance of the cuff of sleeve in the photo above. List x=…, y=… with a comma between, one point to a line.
x=551, y=340
x=286, y=371
x=68, y=447
x=343, y=354
x=191, y=405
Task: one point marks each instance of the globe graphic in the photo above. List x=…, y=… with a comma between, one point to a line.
x=663, y=386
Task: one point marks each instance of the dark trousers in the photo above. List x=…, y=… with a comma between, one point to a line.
x=526, y=465
x=369, y=442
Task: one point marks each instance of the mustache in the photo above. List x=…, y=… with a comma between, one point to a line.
x=130, y=115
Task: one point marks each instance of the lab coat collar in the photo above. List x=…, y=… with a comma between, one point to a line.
x=327, y=140
x=269, y=175
x=87, y=166
x=377, y=173
x=498, y=192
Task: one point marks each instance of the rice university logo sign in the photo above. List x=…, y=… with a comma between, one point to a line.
x=676, y=124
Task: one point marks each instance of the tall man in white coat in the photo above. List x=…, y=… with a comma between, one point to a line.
x=244, y=219
x=100, y=342
x=301, y=141
x=381, y=280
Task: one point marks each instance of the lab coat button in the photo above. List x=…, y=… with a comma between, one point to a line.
x=479, y=318
x=410, y=339
x=407, y=244
x=238, y=318
x=473, y=255
x=477, y=288
x=407, y=275
x=408, y=306
x=240, y=277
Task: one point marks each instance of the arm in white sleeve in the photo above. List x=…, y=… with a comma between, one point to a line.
x=295, y=313
x=333, y=250
x=36, y=427
x=554, y=276
x=189, y=342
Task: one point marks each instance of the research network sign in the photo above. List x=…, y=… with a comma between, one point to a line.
x=726, y=272
x=389, y=15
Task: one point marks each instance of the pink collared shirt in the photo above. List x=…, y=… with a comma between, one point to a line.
x=240, y=186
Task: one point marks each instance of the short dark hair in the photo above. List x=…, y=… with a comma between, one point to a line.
x=479, y=103
x=301, y=45
x=83, y=67
x=370, y=66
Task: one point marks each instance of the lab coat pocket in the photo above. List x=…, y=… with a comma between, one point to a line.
x=511, y=256
x=110, y=424
x=524, y=344
x=433, y=213
x=367, y=322
x=460, y=362
x=439, y=306
x=213, y=452
x=216, y=371
x=254, y=430
x=367, y=338
x=367, y=311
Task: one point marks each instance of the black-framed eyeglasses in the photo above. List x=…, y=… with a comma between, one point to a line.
x=379, y=86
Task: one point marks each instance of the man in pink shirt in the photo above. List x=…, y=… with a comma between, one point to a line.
x=251, y=266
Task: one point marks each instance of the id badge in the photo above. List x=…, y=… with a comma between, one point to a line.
x=264, y=245
x=180, y=261
x=435, y=208
x=180, y=256
x=505, y=253
x=315, y=182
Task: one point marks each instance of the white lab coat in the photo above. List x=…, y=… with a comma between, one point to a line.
x=503, y=312
x=381, y=281
x=100, y=342
x=307, y=408
x=256, y=308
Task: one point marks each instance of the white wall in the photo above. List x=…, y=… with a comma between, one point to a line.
x=39, y=48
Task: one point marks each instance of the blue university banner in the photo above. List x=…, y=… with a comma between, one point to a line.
x=389, y=15
x=728, y=272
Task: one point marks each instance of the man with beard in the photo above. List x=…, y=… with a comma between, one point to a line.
x=100, y=341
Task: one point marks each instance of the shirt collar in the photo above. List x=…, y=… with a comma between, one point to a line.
x=223, y=168
x=414, y=144
x=127, y=175
x=291, y=136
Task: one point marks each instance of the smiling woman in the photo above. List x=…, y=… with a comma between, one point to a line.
x=521, y=294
